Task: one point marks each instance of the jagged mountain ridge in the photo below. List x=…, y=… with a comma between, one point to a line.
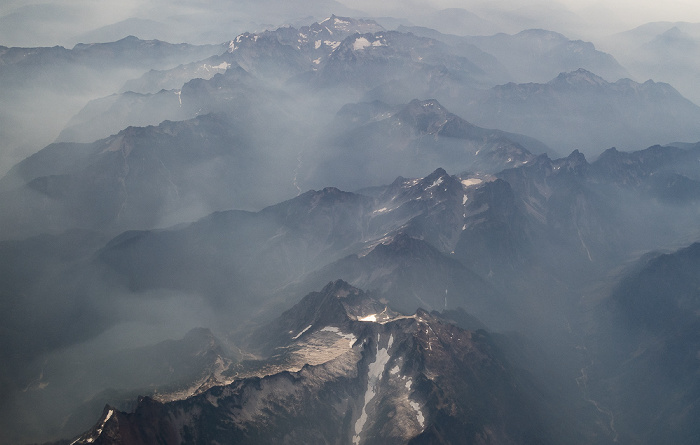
x=20, y=66
x=136, y=177
x=347, y=56
x=51, y=84
x=564, y=190
x=657, y=50
x=476, y=216
x=536, y=55
x=313, y=229
x=397, y=67
x=409, y=273
x=418, y=135
x=169, y=369
x=530, y=224
x=147, y=177
x=579, y=110
x=565, y=205
x=398, y=379
x=529, y=241
x=312, y=44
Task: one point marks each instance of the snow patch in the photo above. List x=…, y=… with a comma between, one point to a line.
x=299, y=334
x=464, y=199
x=437, y=182
x=317, y=61
x=419, y=414
x=332, y=44
x=317, y=44
x=360, y=43
x=471, y=181
x=222, y=66
x=372, y=317
x=374, y=374
x=350, y=337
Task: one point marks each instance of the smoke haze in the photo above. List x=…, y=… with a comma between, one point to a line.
x=161, y=199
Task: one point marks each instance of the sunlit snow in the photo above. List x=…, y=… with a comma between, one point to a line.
x=437, y=182
x=360, y=43
x=350, y=337
x=419, y=414
x=299, y=334
x=471, y=181
x=374, y=374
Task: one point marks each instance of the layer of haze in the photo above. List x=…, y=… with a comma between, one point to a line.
x=65, y=23
x=38, y=114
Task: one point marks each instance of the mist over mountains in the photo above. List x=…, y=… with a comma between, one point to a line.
x=313, y=223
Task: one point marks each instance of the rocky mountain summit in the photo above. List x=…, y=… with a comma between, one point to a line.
x=347, y=369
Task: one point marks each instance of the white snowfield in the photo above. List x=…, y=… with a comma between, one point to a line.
x=471, y=181
x=362, y=43
x=300, y=333
x=374, y=374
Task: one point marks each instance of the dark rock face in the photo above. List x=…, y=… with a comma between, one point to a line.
x=393, y=379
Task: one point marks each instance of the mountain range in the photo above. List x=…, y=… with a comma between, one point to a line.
x=499, y=246
x=388, y=377
x=349, y=230
x=580, y=110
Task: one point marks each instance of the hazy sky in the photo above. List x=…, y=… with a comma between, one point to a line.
x=30, y=23
x=628, y=11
